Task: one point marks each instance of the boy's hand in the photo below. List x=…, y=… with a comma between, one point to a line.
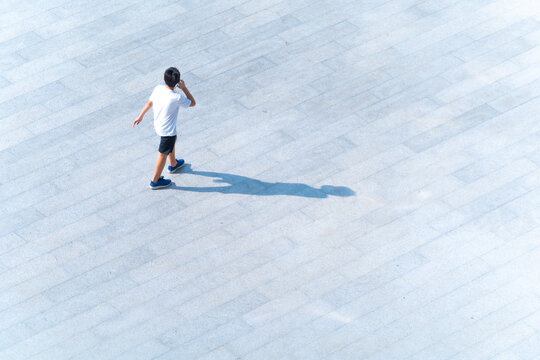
x=137, y=121
x=183, y=87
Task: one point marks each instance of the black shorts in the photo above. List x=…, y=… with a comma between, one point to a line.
x=166, y=145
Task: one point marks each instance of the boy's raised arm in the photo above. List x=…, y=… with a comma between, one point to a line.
x=183, y=87
x=146, y=107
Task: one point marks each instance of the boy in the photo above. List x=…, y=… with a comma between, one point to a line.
x=166, y=103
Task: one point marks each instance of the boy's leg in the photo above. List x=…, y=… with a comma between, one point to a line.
x=172, y=156
x=160, y=164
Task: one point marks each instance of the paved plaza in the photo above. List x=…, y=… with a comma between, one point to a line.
x=362, y=180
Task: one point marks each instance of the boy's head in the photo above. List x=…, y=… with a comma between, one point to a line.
x=171, y=77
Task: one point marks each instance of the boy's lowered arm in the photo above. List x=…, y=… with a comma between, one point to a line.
x=145, y=108
x=183, y=87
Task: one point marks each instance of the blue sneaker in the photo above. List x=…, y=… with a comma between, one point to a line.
x=161, y=183
x=179, y=164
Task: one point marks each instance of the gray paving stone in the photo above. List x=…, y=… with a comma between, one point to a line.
x=260, y=33
x=497, y=39
x=526, y=348
x=4, y=82
x=516, y=97
x=433, y=137
x=33, y=97
x=52, y=336
x=14, y=335
x=20, y=42
x=10, y=61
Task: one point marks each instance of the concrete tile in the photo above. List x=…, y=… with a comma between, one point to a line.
x=260, y=33
x=516, y=97
x=145, y=351
x=41, y=341
x=248, y=23
x=235, y=59
x=442, y=132
x=20, y=42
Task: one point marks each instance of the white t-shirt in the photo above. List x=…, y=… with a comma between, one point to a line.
x=166, y=103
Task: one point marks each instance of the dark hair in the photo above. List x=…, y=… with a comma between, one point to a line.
x=171, y=76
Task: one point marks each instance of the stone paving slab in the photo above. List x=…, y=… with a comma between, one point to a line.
x=362, y=180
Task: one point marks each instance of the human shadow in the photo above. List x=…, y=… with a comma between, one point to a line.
x=238, y=184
